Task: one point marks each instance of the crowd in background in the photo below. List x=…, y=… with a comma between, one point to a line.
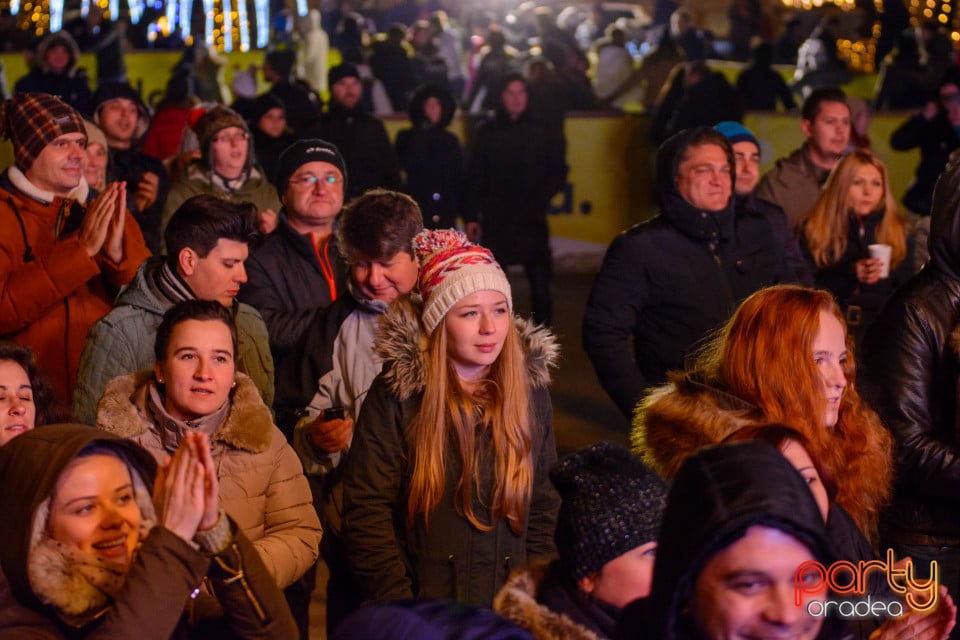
x=283, y=337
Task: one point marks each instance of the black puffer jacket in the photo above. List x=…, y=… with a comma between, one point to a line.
x=432, y=159
x=669, y=281
x=909, y=372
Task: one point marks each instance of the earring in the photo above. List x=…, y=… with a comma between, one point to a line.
x=234, y=384
x=159, y=380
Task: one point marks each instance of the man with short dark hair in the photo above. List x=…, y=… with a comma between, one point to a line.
x=666, y=283
x=63, y=256
x=297, y=271
x=795, y=182
x=208, y=240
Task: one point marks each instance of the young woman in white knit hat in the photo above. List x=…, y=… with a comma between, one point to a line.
x=447, y=485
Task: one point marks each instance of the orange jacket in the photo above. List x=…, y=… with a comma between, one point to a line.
x=51, y=291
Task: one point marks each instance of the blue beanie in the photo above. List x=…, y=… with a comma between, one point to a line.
x=736, y=132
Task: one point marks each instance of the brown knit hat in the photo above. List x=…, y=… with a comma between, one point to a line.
x=31, y=121
x=212, y=122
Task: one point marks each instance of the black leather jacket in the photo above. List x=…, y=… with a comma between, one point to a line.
x=909, y=371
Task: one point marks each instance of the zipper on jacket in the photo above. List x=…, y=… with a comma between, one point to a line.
x=322, y=249
x=237, y=575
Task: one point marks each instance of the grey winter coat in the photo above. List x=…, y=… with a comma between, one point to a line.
x=122, y=342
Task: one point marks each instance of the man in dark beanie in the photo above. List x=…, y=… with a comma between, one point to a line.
x=297, y=271
x=360, y=137
x=610, y=515
x=65, y=255
x=124, y=118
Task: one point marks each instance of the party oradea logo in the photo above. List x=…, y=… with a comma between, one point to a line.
x=842, y=589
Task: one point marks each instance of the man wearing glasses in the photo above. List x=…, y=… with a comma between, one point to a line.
x=225, y=169
x=297, y=271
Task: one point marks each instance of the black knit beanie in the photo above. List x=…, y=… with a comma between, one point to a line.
x=612, y=504
x=303, y=151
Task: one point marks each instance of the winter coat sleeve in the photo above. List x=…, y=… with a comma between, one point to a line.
x=371, y=495
x=165, y=571
x=253, y=351
x=291, y=541
x=106, y=354
x=545, y=502
x=29, y=288
x=902, y=352
x=616, y=302
x=254, y=607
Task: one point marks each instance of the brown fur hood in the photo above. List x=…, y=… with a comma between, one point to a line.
x=402, y=345
x=678, y=419
x=517, y=602
x=249, y=423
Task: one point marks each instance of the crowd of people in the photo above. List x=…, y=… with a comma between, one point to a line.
x=236, y=341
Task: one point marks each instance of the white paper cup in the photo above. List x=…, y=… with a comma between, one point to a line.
x=883, y=252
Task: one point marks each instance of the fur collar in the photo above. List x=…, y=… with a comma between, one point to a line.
x=517, y=601
x=679, y=418
x=402, y=345
x=249, y=424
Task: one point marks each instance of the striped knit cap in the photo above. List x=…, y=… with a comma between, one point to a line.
x=31, y=121
x=452, y=268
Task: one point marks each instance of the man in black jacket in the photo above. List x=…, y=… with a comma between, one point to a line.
x=666, y=283
x=360, y=137
x=910, y=373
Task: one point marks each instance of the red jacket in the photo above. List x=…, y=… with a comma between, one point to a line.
x=51, y=291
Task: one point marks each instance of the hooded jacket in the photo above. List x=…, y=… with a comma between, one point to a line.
x=671, y=280
x=432, y=160
x=72, y=86
x=51, y=291
x=122, y=342
x=262, y=486
x=909, y=373
x=716, y=496
x=794, y=184
x=449, y=558
x=159, y=585
x=199, y=179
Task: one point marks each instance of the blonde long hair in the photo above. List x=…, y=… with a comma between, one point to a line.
x=827, y=226
x=447, y=416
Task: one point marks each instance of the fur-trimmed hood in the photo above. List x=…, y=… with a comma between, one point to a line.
x=402, y=344
x=517, y=602
x=248, y=426
x=678, y=419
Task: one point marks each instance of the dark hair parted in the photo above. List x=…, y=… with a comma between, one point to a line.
x=48, y=407
x=201, y=221
x=379, y=224
x=191, y=310
x=811, y=106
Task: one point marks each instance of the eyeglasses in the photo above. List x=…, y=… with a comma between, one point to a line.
x=310, y=180
x=236, y=138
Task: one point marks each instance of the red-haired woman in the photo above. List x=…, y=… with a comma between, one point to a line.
x=782, y=357
x=857, y=210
